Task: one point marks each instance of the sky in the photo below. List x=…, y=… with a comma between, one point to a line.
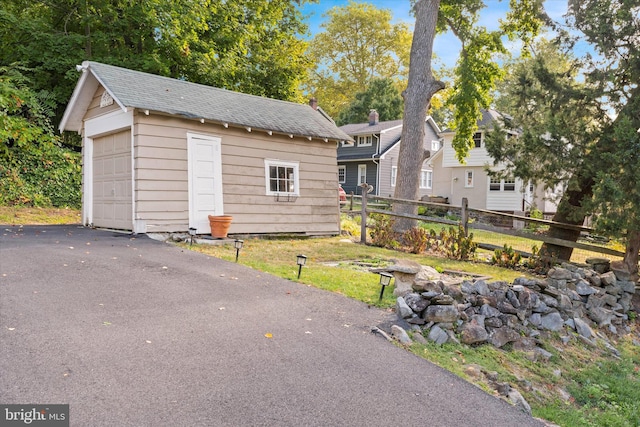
x=446, y=46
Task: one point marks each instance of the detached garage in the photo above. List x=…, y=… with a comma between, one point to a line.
x=160, y=155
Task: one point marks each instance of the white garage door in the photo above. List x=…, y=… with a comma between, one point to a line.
x=112, y=199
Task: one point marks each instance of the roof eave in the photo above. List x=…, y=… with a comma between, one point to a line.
x=81, y=98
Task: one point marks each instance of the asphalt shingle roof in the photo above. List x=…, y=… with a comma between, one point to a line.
x=162, y=94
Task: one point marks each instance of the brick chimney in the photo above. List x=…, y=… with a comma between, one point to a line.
x=313, y=102
x=373, y=117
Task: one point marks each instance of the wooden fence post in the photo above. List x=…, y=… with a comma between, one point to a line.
x=464, y=214
x=363, y=215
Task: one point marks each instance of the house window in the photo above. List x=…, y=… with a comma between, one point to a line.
x=364, y=140
x=468, y=179
x=347, y=143
x=435, y=145
x=477, y=139
x=342, y=174
x=362, y=174
x=394, y=175
x=495, y=184
x=507, y=184
x=282, y=177
x=426, y=178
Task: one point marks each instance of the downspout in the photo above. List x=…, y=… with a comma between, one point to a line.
x=373, y=159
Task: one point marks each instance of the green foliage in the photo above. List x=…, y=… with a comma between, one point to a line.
x=455, y=245
x=506, y=257
x=382, y=95
x=350, y=225
x=358, y=44
x=382, y=233
x=252, y=46
x=35, y=169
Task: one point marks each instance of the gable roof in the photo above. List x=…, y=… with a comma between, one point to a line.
x=137, y=90
x=367, y=129
x=390, y=132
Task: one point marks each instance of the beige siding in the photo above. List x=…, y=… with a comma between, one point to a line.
x=95, y=110
x=162, y=181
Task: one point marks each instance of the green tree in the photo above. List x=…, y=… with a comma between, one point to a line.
x=381, y=95
x=252, y=46
x=358, y=44
x=475, y=77
x=34, y=168
x=580, y=120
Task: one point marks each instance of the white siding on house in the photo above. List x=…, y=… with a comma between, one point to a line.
x=477, y=156
x=509, y=201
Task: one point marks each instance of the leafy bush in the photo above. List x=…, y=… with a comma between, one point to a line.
x=382, y=233
x=419, y=239
x=35, y=169
x=506, y=257
x=536, y=214
x=350, y=225
x=456, y=245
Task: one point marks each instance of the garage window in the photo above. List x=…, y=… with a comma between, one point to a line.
x=281, y=178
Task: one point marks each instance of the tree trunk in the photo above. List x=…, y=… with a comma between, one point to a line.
x=632, y=253
x=569, y=212
x=421, y=87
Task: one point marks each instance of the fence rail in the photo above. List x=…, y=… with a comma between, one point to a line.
x=477, y=219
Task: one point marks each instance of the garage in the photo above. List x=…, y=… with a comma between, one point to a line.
x=112, y=194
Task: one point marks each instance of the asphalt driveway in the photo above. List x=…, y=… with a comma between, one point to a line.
x=133, y=332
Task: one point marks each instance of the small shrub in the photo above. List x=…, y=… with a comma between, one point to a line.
x=536, y=214
x=506, y=257
x=382, y=233
x=455, y=245
x=419, y=239
x=350, y=225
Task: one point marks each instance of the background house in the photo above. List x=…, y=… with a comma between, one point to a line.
x=455, y=180
x=372, y=156
x=160, y=155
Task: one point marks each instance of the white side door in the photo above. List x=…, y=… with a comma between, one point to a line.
x=205, y=180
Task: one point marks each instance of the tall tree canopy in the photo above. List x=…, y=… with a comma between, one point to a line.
x=358, y=44
x=580, y=118
x=475, y=75
x=252, y=46
x=381, y=95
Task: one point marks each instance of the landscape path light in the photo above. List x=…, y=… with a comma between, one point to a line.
x=238, y=245
x=192, y=234
x=302, y=260
x=385, y=280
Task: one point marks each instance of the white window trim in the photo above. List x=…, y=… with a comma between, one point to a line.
x=344, y=175
x=362, y=168
x=362, y=140
x=394, y=175
x=347, y=143
x=502, y=185
x=426, y=184
x=296, y=177
x=435, y=145
x=466, y=182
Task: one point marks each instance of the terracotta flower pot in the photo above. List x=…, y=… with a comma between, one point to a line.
x=220, y=225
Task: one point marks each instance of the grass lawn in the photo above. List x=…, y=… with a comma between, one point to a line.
x=11, y=215
x=577, y=386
